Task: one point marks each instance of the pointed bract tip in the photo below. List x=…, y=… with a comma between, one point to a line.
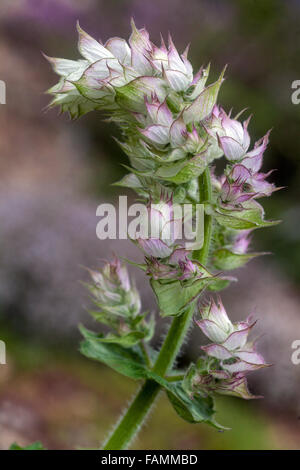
x=186, y=51
x=78, y=27
x=170, y=41
x=133, y=25
x=50, y=59
x=223, y=72
x=162, y=42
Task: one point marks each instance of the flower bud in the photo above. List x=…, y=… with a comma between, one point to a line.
x=113, y=291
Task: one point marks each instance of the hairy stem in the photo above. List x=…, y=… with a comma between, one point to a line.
x=134, y=417
x=143, y=347
x=129, y=425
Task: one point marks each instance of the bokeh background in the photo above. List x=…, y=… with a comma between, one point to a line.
x=54, y=173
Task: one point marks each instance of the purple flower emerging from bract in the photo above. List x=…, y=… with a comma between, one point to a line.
x=222, y=382
x=177, y=266
x=233, y=188
x=244, y=181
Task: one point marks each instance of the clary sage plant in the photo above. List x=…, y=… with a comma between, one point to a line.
x=173, y=133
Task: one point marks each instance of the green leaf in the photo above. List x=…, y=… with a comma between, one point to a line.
x=194, y=410
x=226, y=259
x=129, y=362
x=173, y=298
x=34, y=446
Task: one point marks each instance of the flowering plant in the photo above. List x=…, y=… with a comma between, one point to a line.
x=173, y=133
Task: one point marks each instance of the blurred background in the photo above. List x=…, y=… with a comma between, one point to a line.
x=54, y=173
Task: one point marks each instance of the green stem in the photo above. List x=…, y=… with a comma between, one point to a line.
x=175, y=378
x=141, y=405
x=143, y=347
x=130, y=423
x=205, y=196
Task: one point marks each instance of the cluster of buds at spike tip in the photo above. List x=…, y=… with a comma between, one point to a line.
x=152, y=93
x=118, y=305
x=229, y=357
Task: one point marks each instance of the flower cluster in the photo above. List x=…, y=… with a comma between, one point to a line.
x=118, y=305
x=173, y=131
x=152, y=93
x=242, y=180
x=172, y=128
x=229, y=357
